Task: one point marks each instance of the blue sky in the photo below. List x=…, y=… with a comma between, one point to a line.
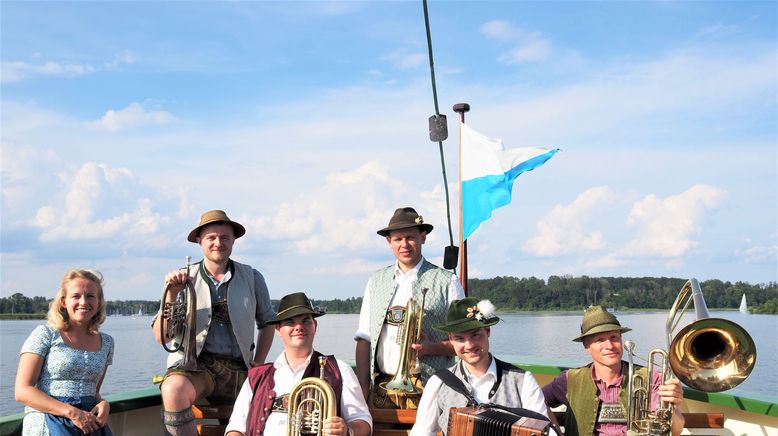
x=307, y=122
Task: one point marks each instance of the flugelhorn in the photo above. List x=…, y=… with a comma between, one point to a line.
x=401, y=384
x=311, y=402
x=178, y=322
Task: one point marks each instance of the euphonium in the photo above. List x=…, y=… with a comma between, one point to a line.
x=709, y=354
x=178, y=323
x=311, y=402
x=401, y=384
x=641, y=419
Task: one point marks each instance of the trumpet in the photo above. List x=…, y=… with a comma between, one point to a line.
x=401, y=384
x=709, y=354
x=311, y=402
x=178, y=323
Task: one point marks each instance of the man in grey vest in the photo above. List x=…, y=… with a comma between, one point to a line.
x=487, y=379
x=231, y=299
x=596, y=395
x=378, y=337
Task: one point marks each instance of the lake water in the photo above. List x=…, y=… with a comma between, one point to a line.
x=526, y=338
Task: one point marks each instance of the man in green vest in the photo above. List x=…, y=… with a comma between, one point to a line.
x=379, y=338
x=596, y=395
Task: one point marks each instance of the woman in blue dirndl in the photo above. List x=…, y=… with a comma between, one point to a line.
x=63, y=363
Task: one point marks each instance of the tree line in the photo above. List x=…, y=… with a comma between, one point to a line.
x=575, y=293
x=511, y=294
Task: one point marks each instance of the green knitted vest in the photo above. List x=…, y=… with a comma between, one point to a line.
x=382, y=287
x=583, y=402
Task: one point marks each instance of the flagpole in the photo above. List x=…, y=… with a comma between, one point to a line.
x=461, y=108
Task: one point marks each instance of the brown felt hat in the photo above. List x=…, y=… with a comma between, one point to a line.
x=215, y=216
x=294, y=305
x=597, y=320
x=405, y=218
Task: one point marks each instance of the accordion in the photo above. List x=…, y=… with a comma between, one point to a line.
x=476, y=421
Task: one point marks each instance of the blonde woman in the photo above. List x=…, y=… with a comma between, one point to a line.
x=63, y=363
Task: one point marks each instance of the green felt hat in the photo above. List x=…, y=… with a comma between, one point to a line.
x=468, y=314
x=597, y=320
x=294, y=305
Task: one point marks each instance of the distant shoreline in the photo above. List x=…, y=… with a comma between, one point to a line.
x=40, y=316
x=21, y=316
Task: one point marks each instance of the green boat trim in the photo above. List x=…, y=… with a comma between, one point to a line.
x=745, y=404
x=150, y=397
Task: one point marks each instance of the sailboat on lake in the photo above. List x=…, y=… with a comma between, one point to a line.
x=743, y=305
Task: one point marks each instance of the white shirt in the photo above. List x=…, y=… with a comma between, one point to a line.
x=352, y=402
x=389, y=351
x=427, y=416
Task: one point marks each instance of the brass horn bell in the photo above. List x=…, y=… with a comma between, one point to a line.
x=712, y=355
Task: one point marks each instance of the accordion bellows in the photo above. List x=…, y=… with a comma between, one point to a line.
x=475, y=421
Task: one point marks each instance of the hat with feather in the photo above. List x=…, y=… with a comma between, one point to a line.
x=468, y=314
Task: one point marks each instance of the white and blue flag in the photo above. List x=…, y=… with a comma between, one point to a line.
x=488, y=172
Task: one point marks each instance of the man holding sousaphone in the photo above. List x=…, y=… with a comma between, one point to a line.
x=597, y=395
x=215, y=344
x=397, y=349
x=302, y=392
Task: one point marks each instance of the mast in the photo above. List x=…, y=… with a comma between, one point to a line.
x=461, y=108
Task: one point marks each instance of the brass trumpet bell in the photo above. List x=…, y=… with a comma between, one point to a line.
x=712, y=355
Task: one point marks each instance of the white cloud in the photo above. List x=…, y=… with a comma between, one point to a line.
x=25, y=176
x=404, y=61
x=127, y=58
x=604, y=262
x=562, y=230
x=758, y=254
x=674, y=94
x=499, y=30
x=352, y=267
x=87, y=210
x=133, y=115
x=718, y=30
x=533, y=51
x=15, y=71
x=666, y=227
x=343, y=213
x=530, y=46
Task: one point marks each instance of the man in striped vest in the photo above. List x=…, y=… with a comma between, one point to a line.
x=379, y=335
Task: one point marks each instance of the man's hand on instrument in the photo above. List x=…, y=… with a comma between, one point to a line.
x=176, y=280
x=671, y=392
x=335, y=426
x=424, y=346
